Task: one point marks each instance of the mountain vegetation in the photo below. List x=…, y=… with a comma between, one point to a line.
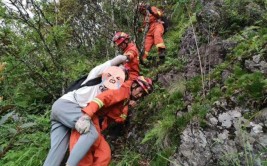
x=209, y=105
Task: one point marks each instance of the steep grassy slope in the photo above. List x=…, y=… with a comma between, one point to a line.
x=229, y=36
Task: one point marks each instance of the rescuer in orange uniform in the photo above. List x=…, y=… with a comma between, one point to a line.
x=155, y=31
x=112, y=105
x=122, y=41
x=67, y=110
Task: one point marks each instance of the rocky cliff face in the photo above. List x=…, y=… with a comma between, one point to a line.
x=229, y=136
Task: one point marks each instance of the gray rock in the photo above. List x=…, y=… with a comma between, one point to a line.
x=193, y=148
x=256, y=128
x=256, y=58
x=213, y=121
x=225, y=119
x=224, y=135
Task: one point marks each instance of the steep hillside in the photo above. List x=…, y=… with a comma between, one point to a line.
x=209, y=106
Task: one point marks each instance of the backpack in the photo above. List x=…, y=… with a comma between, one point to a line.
x=78, y=83
x=166, y=23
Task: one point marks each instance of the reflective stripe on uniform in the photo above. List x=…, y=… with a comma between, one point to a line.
x=98, y=102
x=160, y=45
x=123, y=116
x=159, y=13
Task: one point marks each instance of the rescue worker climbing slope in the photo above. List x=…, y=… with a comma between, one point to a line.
x=122, y=41
x=154, y=36
x=67, y=110
x=112, y=105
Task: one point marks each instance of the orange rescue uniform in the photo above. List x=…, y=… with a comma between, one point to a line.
x=112, y=105
x=132, y=66
x=155, y=32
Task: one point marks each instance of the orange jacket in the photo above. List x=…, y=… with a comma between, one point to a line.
x=113, y=106
x=115, y=113
x=100, y=153
x=112, y=102
x=133, y=65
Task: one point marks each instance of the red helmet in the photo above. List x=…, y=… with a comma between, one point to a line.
x=145, y=83
x=119, y=37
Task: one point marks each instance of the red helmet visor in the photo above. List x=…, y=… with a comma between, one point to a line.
x=120, y=37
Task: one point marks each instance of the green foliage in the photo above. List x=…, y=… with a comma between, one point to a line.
x=128, y=158
x=197, y=112
x=160, y=130
x=242, y=13
x=180, y=23
x=250, y=42
x=194, y=85
x=170, y=64
x=59, y=33
x=215, y=94
x=32, y=151
x=216, y=74
x=202, y=110
x=166, y=118
x=249, y=86
x=162, y=158
x=25, y=140
x=19, y=88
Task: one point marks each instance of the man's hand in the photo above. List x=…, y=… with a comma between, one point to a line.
x=132, y=103
x=83, y=124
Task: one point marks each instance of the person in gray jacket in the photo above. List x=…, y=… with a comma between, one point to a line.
x=66, y=111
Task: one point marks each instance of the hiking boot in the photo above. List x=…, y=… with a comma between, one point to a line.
x=161, y=60
x=153, y=61
x=149, y=61
x=144, y=62
x=162, y=55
